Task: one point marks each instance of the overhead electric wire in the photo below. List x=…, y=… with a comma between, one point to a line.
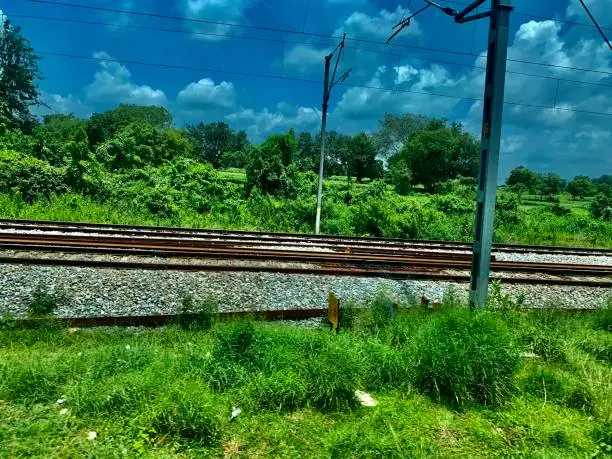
x=307, y=80
x=588, y=11
x=535, y=16
x=297, y=32
x=280, y=41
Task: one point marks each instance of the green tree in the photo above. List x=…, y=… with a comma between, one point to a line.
x=523, y=180
x=580, y=186
x=601, y=207
x=211, y=140
x=236, y=159
x=427, y=154
x=269, y=168
x=18, y=74
x=400, y=176
x=362, y=161
x=307, y=153
x=103, y=126
x=552, y=184
x=394, y=131
x=604, y=184
x=140, y=144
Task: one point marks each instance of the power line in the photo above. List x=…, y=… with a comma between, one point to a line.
x=318, y=35
x=275, y=40
x=586, y=8
x=536, y=16
x=308, y=80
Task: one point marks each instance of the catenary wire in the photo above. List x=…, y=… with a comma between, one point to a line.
x=281, y=30
x=308, y=80
x=281, y=41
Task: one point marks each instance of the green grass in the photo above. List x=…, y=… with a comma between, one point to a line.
x=449, y=383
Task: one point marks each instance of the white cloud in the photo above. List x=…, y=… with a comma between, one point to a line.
x=379, y=27
x=258, y=124
x=231, y=11
x=304, y=58
x=112, y=83
x=56, y=103
x=206, y=95
x=601, y=9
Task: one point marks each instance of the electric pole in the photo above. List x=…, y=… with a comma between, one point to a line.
x=327, y=87
x=495, y=79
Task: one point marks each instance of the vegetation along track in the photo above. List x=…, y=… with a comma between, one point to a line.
x=132, y=247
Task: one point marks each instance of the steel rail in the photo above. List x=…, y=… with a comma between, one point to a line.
x=275, y=236
x=411, y=273
x=76, y=242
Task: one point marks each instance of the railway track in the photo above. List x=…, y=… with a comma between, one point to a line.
x=275, y=238
x=204, y=250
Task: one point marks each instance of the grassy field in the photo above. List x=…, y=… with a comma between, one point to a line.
x=448, y=383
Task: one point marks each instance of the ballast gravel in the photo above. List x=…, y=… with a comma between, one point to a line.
x=121, y=292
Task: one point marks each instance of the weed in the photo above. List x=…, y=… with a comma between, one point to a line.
x=556, y=386
x=503, y=302
x=201, y=317
x=348, y=315
x=333, y=376
x=463, y=357
x=283, y=390
x=43, y=302
x=381, y=313
x=602, y=318
x=233, y=342
x=187, y=417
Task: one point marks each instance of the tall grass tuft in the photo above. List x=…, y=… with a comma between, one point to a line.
x=44, y=303
x=463, y=357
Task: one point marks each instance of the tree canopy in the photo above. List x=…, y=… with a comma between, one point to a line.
x=210, y=141
x=18, y=74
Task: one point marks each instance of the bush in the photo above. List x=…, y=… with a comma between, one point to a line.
x=601, y=207
x=463, y=357
x=44, y=303
x=202, y=316
x=30, y=177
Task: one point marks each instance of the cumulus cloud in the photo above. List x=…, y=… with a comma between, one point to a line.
x=56, y=103
x=304, y=58
x=113, y=83
x=258, y=124
x=206, y=95
x=601, y=9
x=362, y=25
x=230, y=11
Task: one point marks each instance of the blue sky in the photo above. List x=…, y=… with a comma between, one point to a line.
x=560, y=140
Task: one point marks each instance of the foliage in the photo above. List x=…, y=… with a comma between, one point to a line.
x=43, y=302
x=362, y=161
x=464, y=357
x=295, y=388
x=580, y=187
x=139, y=144
x=394, y=131
x=270, y=170
x=400, y=177
x=18, y=90
x=102, y=127
x=522, y=179
x=31, y=178
x=438, y=153
x=210, y=142
x=601, y=207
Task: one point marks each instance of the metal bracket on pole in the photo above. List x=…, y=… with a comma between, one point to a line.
x=497, y=51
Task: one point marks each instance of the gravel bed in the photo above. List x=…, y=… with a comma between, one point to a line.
x=117, y=292
x=530, y=257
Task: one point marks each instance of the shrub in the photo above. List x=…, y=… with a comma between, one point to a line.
x=43, y=302
x=192, y=316
x=30, y=177
x=601, y=207
x=463, y=357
